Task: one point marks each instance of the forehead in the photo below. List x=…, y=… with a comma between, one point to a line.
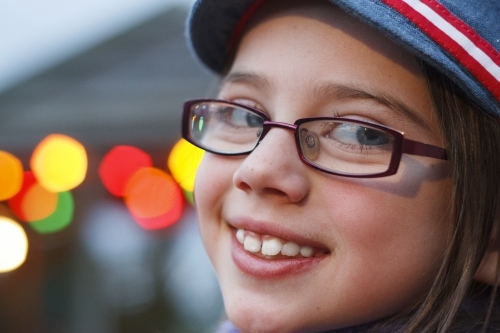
x=317, y=14
x=302, y=50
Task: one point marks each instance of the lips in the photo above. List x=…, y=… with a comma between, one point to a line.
x=265, y=255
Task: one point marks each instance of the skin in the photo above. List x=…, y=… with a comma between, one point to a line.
x=384, y=237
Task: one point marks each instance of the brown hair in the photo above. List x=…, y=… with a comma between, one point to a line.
x=474, y=151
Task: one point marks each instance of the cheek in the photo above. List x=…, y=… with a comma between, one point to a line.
x=212, y=185
x=413, y=205
x=398, y=239
x=209, y=181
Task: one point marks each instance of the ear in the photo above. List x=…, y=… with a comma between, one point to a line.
x=487, y=271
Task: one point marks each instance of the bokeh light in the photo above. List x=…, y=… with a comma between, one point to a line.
x=118, y=166
x=11, y=175
x=16, y=202
x=59, y=163
x=183, y=163
x=13, y=245
x=60, y=219
x=38, y=203
x=45, y=211
x=153, y=198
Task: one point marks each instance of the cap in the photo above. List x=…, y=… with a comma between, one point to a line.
x=459, y=38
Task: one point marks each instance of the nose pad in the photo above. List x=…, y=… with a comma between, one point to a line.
x=309, y=144
x=262, y=133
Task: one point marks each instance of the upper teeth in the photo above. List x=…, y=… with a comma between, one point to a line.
x=270, y=245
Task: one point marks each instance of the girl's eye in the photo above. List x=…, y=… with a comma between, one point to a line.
x=359, y=136
x=371, y=137
x=239, y=117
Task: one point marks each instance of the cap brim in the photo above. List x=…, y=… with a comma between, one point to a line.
x=213, y=26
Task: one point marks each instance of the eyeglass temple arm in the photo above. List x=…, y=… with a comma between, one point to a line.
x=423, y=149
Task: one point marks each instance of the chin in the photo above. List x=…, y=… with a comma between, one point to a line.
x=248, y=319
x=265, y=316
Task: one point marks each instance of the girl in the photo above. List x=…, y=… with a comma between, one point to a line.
x=351, y=178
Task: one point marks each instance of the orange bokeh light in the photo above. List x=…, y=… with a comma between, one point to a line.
x=33, y=202
x=11, y=175
x=153, y=198
x=60, y=218
x=38, y=203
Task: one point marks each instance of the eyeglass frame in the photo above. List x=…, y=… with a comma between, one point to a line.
x=401, y=145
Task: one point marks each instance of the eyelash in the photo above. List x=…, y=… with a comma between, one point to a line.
x=364, y=118
x=252, y=104
x=248, y=103
x=335, y=113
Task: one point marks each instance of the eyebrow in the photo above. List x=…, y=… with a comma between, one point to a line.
x=343, y=92
x=258, y=81
x=334, y=91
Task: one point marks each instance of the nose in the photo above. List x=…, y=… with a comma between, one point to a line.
x=274, y=168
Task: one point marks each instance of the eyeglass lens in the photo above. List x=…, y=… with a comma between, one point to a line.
x=345, y=147
x=332, y=145
x=224, y=128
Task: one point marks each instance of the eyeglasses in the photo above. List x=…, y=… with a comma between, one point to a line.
x=338, y=146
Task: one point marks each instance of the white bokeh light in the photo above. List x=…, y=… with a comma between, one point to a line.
x=13, y=245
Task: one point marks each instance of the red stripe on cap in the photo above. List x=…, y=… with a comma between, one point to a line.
x=243, y=21
x=453, y=41
x=464, y=29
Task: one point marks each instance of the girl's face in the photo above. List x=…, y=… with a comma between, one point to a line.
x=376, y=243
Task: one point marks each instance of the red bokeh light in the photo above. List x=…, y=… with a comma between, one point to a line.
x=16, y=202
x=119, y=165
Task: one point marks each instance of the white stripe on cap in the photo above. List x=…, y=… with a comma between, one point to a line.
x=455, y=36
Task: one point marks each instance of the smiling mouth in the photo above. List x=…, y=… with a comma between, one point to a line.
x=271, y=247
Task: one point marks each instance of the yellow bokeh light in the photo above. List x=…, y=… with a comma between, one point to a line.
x=59, y=163
x=13, y=245
x=11, y=175
x=183, y=163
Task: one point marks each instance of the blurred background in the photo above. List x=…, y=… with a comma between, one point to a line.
x=105, y=73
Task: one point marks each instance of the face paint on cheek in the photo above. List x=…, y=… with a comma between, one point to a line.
x=412, y=175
